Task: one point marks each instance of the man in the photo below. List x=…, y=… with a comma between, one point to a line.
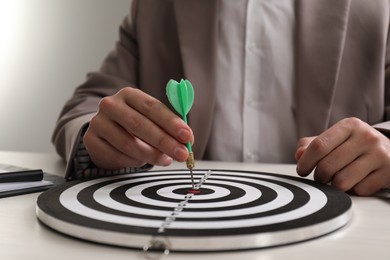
x=266, y=74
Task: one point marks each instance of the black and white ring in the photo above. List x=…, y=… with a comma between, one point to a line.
x=259, y=209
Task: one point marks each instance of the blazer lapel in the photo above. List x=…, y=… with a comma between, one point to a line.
x=321, y=28
x=197, y=29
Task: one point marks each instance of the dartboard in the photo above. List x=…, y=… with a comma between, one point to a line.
x=226, y=210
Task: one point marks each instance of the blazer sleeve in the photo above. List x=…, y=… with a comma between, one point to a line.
x=384, y=127
x=119, y=69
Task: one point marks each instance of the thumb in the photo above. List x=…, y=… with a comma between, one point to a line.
x=302, y=145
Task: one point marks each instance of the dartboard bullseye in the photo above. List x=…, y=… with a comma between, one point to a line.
x=228, y=210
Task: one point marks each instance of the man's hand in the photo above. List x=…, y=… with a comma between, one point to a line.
x=351, y=155
x=132, y=128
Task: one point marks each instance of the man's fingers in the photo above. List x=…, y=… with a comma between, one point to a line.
x=303, y=143
x=321, y=146
x=373, y=183
x=141, y=124
x=111, y=158
x=347, y=177
x=342, y=159
x=159, y=114
x=132, y=128
x=150, y=133
x=103, y=130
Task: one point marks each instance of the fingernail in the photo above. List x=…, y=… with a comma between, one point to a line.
x=180, y=154
x=183, y=135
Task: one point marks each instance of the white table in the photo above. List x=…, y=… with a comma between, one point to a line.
x=366, y=236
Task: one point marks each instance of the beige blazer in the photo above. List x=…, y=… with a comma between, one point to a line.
x=341, y=63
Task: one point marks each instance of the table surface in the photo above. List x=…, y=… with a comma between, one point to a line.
x=22, y=236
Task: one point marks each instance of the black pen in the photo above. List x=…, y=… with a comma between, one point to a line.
x=21, y=176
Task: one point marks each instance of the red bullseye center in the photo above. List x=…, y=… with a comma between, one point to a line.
x=194, y=191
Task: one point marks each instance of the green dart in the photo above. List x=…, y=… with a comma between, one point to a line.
x=181, y=96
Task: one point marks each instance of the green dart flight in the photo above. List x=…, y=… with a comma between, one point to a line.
x=181, y=96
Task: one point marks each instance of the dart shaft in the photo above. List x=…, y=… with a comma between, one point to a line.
x=190, y=165
x=190, y=161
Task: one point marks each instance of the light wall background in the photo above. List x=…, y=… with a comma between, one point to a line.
x=46, y=49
